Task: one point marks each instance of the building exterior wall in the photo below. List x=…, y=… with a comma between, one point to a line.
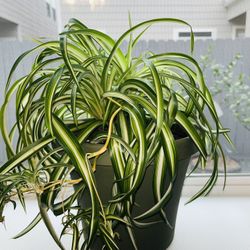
x=239, y=8
x=30, y=17
x=236, y=8
x=111, y=16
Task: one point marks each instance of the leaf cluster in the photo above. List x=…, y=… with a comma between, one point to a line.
x=84, y=89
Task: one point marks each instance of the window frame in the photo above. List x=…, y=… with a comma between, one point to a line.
x=236, y=185
x=179, y=30
x=234, y=29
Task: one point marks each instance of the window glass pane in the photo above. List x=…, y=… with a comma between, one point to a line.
x=196, y=34
x=221, y=30
x=240, y=32
x=225, y=60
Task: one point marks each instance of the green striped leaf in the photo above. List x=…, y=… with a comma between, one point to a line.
x=50, y=96
x=192, y=132
x=34, y=222
x=26, y=153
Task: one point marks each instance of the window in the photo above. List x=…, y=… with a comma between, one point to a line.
x=196, y=34
x=8, y=30
x=180, y=34
x=238, y=31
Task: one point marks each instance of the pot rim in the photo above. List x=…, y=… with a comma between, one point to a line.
x=185, y=148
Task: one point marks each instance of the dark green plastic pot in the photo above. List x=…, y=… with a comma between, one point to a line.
x=158, y=236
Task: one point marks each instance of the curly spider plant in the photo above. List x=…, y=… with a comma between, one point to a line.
x=85, y=89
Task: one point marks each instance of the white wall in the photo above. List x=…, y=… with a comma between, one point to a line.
x=112, y=15
x=30, y=16
x=236, y=8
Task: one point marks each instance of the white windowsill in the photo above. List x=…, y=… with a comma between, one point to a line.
x=218, y=223
x=236, y=185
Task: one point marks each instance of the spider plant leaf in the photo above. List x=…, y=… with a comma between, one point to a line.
x=62, y=206
x=20, y=95
x=120, y=96
x=123, y=143
x=53, y=45
x=140, y=169
x=107, y=238
x=192, y=132
x=43, y=212
x=106, y=42
x=3, y=121
x=34, y=222
x=140, y=25
x=209, y=184
x=85, y=41
x=6, y=189
x=69, y=98
x=139, y=36
x=118, y=162
x=172, y=109
x=124, y=128
x=140, y=224
x=158, y=206
x=57, y=174
x=131, y=233
x=142, y=153
x=116, y=218
x=24, y=154
x=159, y=178
x=73, y=103
x=139, y=85
x=224, y=164
x=50, y=96
x=197, y=164
x=81, y=215
x=75, y=238
x=199, y=108
x=66, y=57
x=76, y=153
x=16, y=63
x=167, y=138
x=21, y=198
x=159, y=101
x=207, y=96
